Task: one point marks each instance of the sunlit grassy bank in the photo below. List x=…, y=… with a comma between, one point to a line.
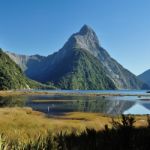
x=24, y=129
x=24, y=123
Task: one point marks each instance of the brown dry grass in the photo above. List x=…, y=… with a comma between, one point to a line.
x=24, y=123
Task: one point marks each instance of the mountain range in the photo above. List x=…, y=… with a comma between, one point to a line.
x=82, y=63
x=145, y=77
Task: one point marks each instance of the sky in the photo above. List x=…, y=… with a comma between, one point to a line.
x=43, y=26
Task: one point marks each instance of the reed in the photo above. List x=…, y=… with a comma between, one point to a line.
x=123, y=135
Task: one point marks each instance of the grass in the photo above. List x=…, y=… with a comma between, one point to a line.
x=121, y=136
x=24, y=129
x=24, y=123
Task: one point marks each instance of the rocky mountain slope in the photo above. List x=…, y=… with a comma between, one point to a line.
x=79, y=70
x=82, y=63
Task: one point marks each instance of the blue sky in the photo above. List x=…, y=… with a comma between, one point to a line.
x=43, y=26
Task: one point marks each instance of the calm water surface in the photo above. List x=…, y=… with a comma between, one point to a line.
x=58, y=105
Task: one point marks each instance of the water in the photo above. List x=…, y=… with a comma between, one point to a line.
x=95, y=91
x=58, y=105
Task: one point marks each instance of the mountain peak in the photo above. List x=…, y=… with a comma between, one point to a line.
x=85, y=39
x=85, y=29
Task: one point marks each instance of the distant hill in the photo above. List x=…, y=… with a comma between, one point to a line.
x=145, y=77
x=82, y=63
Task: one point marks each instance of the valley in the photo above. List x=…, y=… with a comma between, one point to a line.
x=74, y=75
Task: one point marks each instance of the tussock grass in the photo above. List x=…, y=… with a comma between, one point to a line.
x=24, y=123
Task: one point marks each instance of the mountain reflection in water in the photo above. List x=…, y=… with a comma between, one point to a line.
x=57, y=105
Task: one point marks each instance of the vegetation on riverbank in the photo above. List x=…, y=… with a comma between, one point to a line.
x=24, y=122
x=59, y=92
x=24, y=129
x=17, y=121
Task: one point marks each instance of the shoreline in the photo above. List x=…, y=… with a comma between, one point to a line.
x=22, y=93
